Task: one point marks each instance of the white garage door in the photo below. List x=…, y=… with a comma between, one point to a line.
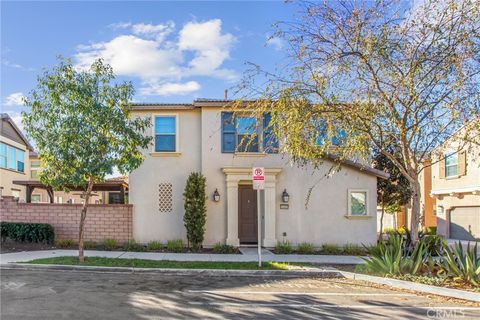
x=465, y=223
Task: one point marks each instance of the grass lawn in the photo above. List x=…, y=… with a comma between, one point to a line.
x=142, y=263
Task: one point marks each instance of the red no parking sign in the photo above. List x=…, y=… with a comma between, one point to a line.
x=258, y=178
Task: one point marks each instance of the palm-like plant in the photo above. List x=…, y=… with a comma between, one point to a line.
x=394, y=257
x=461, y=264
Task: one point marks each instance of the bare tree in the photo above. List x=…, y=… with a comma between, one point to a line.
x=365, y=71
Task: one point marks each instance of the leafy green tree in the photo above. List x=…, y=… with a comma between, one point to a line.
x=195, y=210
x=80, y=123
x=376, y=70
x=392, y=193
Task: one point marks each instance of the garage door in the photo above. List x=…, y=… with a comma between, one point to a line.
x=465, y=223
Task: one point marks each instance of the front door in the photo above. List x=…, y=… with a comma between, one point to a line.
x=247, y=214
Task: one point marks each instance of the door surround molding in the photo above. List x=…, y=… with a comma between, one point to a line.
x=233, y=176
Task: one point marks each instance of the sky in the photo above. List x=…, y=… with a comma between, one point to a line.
x=171, y=51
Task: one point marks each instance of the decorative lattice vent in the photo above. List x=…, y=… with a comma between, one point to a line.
x=165, y=197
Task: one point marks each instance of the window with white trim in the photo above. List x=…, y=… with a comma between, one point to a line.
x=357, y=202
x=165, y=133
x=451, y=165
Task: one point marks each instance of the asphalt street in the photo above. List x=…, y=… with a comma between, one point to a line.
x=49, y=294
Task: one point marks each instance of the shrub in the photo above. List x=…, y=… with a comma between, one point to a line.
x=87, y=244
x=305, y=248
x=431, y=231
x=353, y=249
x=283, y=247
x=132, y=245
x=223, y=248
x=403, y=230
x=331, y=249
x=109, y=244
x=433, y=243
x=154, y=245
x=175, y=245
x=195, y=210
x=461, y=264
x=389, y=230
x=67, y=243
x=27, y=232
x=394, y=257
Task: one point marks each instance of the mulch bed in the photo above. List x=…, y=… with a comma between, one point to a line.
x=11, y=246
x=448, y=283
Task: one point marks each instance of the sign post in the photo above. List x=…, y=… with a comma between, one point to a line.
x=258, y=180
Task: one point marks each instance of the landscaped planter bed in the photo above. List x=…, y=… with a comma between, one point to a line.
x=429, y=280
x=12, y=246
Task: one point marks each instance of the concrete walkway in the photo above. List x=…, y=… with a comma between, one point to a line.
x=25, y=256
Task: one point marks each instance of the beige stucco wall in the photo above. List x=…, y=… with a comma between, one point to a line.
x=452, y=192
x=7, y=176
x=323, y=221
x=471, y=179
x=148, y=223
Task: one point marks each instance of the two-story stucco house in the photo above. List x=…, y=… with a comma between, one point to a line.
x=14, y=158
x=204, y=137
x=456, y=189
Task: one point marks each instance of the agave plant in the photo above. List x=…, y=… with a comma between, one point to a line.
x=394, y=257
x=461, y=264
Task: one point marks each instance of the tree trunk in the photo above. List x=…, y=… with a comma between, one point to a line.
x=414, y=222
x=380, y=238
x=83, y=215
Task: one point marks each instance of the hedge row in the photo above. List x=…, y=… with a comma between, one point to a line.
x=27, y=232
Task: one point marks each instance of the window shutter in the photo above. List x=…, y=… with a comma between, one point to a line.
x=270, y=141
x=228, y=132
x=462, y=163
x=441, y=169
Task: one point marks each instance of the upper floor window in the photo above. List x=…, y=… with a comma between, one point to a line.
x=12, y=158
x=337, y=139
x=247, y=135
x=243, y=134
x=165, y=134
x=451, y=165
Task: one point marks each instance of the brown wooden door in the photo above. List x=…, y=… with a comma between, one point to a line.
x=247, y=214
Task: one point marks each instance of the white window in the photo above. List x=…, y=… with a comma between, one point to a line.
x=357, y=202
x=165, y=129
x=451, y=165
x=36, y=198
x=58, y=199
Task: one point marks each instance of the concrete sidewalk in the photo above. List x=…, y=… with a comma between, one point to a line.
x=323, y=259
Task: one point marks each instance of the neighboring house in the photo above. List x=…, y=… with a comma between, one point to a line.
x=456, y=189
x=14, y=158
x=73, y=197
x=203, y=137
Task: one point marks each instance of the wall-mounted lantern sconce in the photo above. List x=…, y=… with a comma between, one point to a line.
x=216, y=196
x=285, y=196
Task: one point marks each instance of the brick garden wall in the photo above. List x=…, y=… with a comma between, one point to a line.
x=103, y=221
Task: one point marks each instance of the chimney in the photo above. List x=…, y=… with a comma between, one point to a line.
x=226, y=94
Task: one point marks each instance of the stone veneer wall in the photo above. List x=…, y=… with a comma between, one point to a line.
x=104, y=221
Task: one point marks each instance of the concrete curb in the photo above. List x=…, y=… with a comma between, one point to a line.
x=419, y=287
x=321, y=273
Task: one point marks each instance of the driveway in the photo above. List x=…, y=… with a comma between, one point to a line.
x=52, y=294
